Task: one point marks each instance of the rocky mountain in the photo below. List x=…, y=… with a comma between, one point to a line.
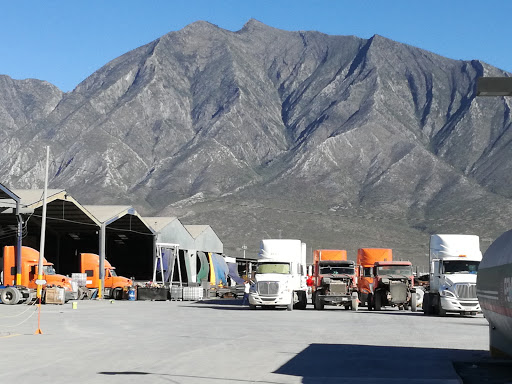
x=337, y=140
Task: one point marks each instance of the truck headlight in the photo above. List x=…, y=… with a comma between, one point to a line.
x=446, y=293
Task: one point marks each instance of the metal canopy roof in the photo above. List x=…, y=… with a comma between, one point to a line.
x=6, y=193
x=121, y=217
x=196, y=230
x=64, y=214
x=8, y=200
x=159, y=222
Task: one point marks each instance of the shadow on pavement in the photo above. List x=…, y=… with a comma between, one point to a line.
x=490, y=372
x=221, y=307
x=326, y=362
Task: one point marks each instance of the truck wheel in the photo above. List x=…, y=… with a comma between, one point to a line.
x=378, y=301
x=10, y=295
x=303, y=300
x=319, y=304
x=117, y=293
x=252, y=306
x=414, y=302
x=370, y=302
x=426, y=304
x=440, y=310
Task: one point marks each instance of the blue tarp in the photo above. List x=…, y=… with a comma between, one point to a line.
x=233, y=273
x=221, y=269
x=167, y=264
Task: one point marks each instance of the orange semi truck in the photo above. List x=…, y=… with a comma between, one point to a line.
x=114, y=285
x=334, y=279
x=14, y=294
x=366, y=259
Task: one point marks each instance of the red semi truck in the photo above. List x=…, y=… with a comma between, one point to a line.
x=334, y=279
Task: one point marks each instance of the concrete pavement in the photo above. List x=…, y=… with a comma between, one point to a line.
x=219, y=341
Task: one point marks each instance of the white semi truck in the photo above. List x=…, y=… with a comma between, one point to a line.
x=280, y=278
x=454, y=261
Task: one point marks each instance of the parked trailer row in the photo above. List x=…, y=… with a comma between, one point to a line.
x=375, y=280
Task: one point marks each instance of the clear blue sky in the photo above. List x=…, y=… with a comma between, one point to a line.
x=65, y=41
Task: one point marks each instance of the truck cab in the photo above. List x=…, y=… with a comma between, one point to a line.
x=366, y=258
x=29, y=271
x=114, y=285
x=334, y=279
x=454, y=262
x=280, y=276
x=393, y=286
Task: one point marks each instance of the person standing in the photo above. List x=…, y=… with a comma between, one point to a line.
x=247, y=286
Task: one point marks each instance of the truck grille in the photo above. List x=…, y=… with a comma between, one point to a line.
x=465, y=291
x=398, y=291
x=268, y=288
x=337, y=288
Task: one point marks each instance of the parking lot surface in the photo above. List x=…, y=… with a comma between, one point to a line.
x=219, y=341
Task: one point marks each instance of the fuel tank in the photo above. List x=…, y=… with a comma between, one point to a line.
x=494, y=291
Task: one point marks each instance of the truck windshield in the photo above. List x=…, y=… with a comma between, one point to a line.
x=460, y=266
x=405, y=270
x=112, y=273
x=335, y=270
x=273, y=268
x=48, y=270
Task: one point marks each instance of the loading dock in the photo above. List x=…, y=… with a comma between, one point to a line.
x=69, y=228
x=125, y=239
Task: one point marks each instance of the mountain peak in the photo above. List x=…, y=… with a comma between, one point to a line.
x=201, y=25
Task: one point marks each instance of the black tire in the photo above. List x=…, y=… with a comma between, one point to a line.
x=347, y=307
x=117, y=293
x=10, y=296
x=252, y=306
x=303, y=300
x=377, y=301
x=319, y=304
x=426, y=304
x=370, y=302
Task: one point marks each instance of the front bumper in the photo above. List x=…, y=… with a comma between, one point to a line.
x=283, y=298
x=450, y=304
x=336, y=299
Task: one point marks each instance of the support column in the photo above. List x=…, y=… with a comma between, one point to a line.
x=19, y=237
x=103, y=239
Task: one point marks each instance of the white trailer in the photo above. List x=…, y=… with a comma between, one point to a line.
x=454, y=261
x=280, y=278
